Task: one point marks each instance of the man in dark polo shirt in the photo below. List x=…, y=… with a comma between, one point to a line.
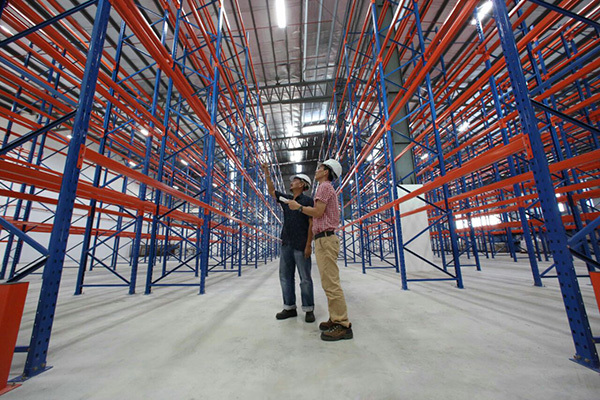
x=296, y=247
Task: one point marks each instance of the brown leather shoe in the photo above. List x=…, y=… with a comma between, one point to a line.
x=337, y=332
x=327, y=325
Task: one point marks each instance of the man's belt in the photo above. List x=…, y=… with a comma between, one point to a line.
x=324, y=233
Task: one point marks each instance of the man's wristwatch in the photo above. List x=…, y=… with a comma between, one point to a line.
x=300, y=209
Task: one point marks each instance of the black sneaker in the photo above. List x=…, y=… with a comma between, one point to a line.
x=287, y=314
x=310, y=316
x=338, y=332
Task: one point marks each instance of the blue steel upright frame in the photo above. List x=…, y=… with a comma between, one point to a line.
x=586, y=353
x=42, y=327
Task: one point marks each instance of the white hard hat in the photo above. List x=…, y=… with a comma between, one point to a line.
x=302, y=177
x=334, y=166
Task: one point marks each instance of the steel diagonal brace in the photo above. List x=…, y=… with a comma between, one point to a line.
x=580, y=236
x=567, y=118
x=111, y=270
x=38, y=81
x=28, y=270
x=25, y=138
x=424, y=200
x=183, y=263
x=23, y=236
x=585, y=258
x=430, y=263
x=161, y=216
x=439, y=220
x=568, y=13
x=46, y=23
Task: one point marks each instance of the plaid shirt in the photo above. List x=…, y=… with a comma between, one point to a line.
x=330, y=219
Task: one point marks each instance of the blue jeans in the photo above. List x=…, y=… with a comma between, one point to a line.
x=290, y=259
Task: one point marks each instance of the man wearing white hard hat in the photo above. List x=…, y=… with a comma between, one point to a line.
x=296, y=247
x=326, y=217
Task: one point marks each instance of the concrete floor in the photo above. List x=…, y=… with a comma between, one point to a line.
x=500, y=338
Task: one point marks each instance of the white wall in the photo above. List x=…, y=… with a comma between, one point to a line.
x=411, y=226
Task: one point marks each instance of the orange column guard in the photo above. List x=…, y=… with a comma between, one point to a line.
x=595, y=278
x=12, y=301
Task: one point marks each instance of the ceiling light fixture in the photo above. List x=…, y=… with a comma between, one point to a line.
x=144, y=131
x=483, y=11
x=291, y=130
x=314, y=128
x=280, y=10
x=295, y=156
x=298, y=168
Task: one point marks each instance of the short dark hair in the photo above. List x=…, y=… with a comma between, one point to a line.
x=306, y=184
x=330, y=175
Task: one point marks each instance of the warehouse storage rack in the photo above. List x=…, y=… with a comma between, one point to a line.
x=161, y=140
x=504, y=134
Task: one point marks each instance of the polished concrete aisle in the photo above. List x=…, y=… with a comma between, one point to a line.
x=500, y=338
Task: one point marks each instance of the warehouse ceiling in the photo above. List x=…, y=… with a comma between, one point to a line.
x=295, y=67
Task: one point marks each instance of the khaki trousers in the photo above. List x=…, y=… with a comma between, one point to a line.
x=327, y=249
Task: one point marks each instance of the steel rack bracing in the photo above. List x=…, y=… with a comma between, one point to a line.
x=370, y=124
x=504, y=134
x=137, y=151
